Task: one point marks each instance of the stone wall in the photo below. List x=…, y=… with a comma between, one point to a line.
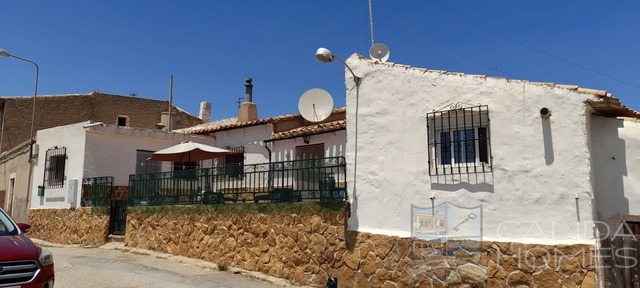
x=89, y=226
x=120, y=192
x=306, y=244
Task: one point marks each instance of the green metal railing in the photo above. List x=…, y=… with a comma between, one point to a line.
x=96, y=191
x=320, y=179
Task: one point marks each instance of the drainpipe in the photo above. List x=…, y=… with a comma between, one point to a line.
x=266, y=146
x=270, y=179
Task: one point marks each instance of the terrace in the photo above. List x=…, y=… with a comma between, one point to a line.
x=309, y=180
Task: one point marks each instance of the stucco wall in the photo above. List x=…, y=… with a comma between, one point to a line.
x=72, y=137
x=616, y=164
x=539, y=165
x=250, y=137
x=112, y=150
x=334, y=145
x=96, y=151
x=14, y=165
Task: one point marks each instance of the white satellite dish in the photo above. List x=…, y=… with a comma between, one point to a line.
x=379, y=52
x=315, y=105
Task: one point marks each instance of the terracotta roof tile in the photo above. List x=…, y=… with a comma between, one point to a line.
x=231, y=123
x=311, y=129
x=218, y=126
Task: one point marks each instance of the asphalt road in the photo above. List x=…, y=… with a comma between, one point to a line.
x=114, y=266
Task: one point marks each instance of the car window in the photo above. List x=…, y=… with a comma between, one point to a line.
x=6, y=227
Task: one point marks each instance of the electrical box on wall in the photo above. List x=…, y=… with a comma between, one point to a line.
x=73, y=191
x=35, y=150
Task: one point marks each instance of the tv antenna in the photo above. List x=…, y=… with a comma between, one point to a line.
x=377, y=51
x=315, y=105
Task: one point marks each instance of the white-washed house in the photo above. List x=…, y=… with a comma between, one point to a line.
x=516, y=162
x=67, y=154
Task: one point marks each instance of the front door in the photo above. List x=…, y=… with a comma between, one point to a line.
x=308, y=166
x=118, y=217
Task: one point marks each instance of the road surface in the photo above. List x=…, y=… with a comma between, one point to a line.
x=116, y=266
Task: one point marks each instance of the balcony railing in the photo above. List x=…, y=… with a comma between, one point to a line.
x=319, y=180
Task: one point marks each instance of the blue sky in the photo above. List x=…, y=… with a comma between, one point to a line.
x=125, y=47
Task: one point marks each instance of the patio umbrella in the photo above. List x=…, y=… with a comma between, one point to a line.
x=188, y=151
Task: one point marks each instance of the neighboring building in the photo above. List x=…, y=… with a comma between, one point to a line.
x=15, y=176
x=280, y=138
x=542, y=162
x=59, y=110
x=90, y=149
x=76, y=162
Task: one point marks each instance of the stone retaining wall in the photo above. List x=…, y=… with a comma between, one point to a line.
x=306, y=244
x=89, y=226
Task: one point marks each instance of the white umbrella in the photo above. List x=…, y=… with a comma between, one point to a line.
x=188, y=151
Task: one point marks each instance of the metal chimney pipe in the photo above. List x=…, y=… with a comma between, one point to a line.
x=248, y=90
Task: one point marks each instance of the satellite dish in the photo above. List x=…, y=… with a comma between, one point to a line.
x=315, y=105
x=379, y=52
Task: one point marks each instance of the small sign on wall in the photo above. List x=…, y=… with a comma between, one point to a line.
x=448, y=227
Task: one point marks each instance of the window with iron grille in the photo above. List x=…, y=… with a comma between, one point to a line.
x=54, y=167
x=459, y=140
x=233, y=162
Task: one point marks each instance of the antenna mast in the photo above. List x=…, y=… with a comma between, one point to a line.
x=170, y=100
x=371, y=22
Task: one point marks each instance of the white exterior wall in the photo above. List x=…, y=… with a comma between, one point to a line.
x=334, y=145
x=72, y=137
x=616, y=167
x=112, y=150
x=251, y=138
x=530, y=196
x=96, y=151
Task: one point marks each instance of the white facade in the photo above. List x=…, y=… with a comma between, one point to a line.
x=616, y=168
x=540, y=188
x=96, y=151
x=251, y=138
x=334, y=146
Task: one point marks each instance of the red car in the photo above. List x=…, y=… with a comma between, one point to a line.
x=22, y=263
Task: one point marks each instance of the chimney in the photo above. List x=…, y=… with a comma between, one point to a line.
x=205, y=111
x=248, y=110
x=248, y=88
x=164, y=121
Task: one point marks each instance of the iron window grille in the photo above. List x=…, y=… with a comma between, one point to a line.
x=56, y=159
x=459, y=140
x=233, y=162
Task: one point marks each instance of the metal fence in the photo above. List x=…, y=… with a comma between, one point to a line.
x=319, y=179
x=96, y=191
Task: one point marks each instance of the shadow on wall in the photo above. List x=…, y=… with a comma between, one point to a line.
x=473, y=182
x=547, y=137
x=609, y=166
